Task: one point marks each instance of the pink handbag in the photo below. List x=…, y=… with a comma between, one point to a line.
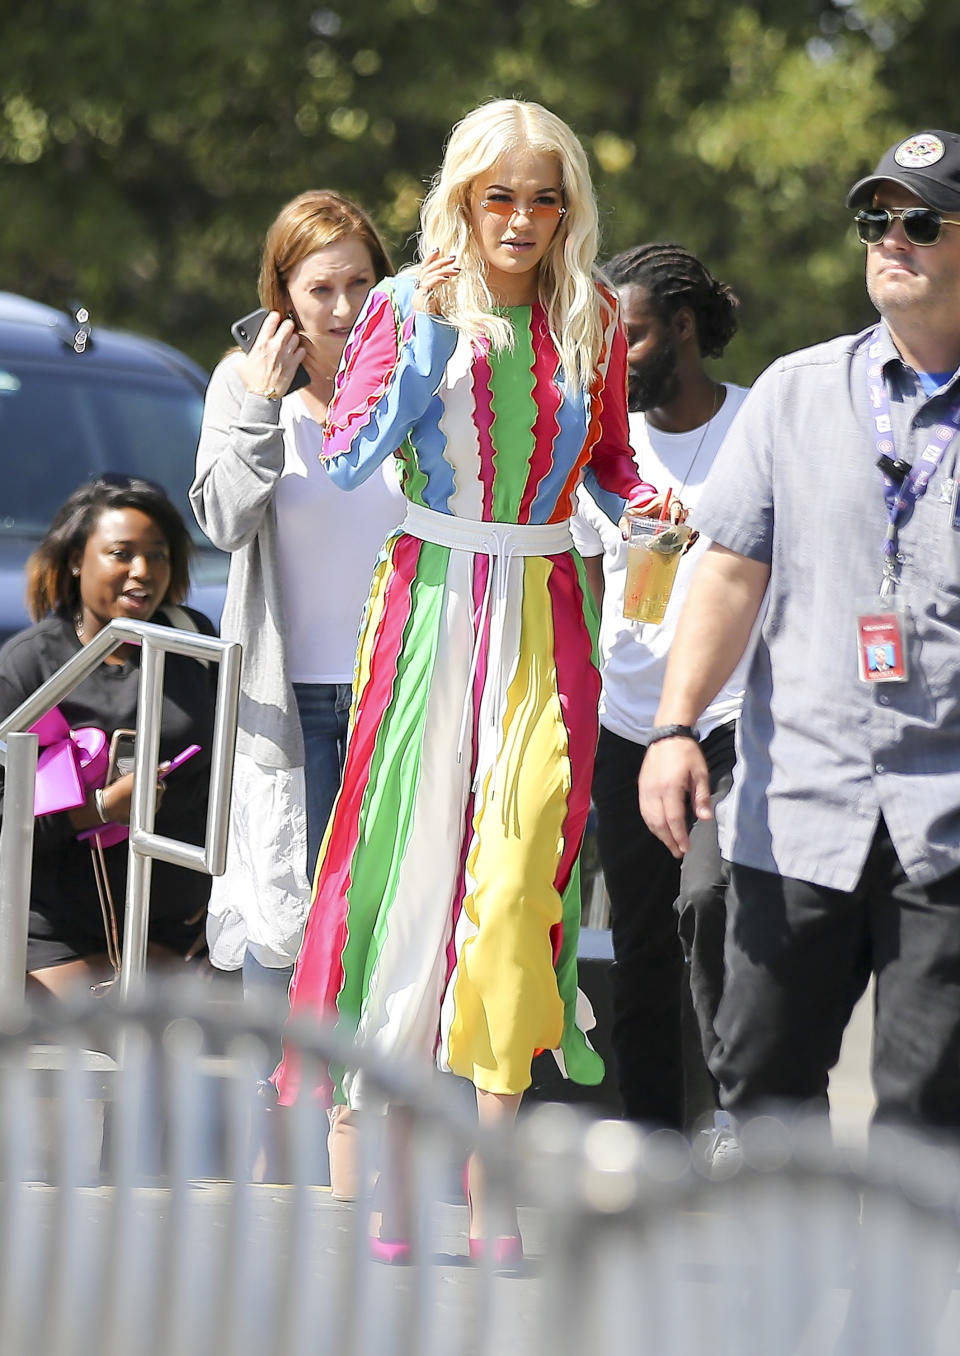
x=70, y=762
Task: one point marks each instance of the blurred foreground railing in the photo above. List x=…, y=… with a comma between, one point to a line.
x=130, y=1225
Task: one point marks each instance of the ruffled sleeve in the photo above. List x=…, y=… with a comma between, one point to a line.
x=611, y=475
x=391, y=369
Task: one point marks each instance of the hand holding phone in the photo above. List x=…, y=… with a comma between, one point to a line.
x=245, y=331
x=164, y=770
x=120, y=775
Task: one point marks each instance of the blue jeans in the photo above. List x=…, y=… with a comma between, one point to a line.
x=324, y=710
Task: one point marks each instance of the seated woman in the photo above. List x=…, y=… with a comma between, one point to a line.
x=117, y=548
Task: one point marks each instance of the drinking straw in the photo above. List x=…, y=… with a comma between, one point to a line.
x=666, y=504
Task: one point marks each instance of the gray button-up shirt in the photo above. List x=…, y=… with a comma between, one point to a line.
x=821, y=754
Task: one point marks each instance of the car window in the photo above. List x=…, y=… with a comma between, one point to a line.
x=59, y=428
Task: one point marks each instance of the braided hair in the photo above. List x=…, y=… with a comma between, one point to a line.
x=673, y=277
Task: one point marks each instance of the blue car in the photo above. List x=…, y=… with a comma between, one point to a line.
x=77, y=400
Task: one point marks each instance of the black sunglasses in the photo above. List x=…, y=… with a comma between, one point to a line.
x=921, y=225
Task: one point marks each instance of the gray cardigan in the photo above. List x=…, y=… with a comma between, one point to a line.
x=239, y=461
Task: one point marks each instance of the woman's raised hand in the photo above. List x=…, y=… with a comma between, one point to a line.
x=432, y=272
x=118, y=798
x=276, y=353
x=677, y=513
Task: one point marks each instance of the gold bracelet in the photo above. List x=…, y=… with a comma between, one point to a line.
x=270, y=394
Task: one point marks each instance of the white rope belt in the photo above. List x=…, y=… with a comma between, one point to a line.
x=500, y=542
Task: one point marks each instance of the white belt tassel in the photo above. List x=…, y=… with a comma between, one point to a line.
x=500, y=542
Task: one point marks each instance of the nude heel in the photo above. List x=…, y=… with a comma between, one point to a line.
x=343, y=1151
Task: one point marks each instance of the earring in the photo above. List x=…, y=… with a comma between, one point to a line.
x=75, y=571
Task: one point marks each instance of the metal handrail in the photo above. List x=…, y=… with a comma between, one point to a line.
x=144, y=845
x=18, y=755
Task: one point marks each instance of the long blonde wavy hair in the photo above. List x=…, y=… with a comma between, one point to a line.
x=565, y=280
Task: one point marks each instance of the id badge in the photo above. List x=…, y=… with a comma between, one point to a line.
x=882, y=640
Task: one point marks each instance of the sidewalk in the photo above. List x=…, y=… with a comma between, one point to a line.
x=851, y=1094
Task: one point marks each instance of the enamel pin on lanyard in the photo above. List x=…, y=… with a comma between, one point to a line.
x=883, y=621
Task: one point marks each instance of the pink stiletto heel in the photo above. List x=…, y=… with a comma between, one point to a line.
x=507, y=1252
x=506, y=1249
x=393, y=1252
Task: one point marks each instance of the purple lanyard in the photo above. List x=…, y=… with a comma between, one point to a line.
x=903, y=497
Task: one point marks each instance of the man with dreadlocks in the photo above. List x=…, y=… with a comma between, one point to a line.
x=676, y=315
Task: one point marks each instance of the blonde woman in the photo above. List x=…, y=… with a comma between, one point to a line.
x=446, y=905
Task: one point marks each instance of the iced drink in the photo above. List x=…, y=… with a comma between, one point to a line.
x=653, y=554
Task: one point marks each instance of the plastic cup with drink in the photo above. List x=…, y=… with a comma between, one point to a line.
x=653, y=554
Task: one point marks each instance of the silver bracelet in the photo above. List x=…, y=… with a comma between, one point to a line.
x=101, y=808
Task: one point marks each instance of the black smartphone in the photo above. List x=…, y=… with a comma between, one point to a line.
x=245, y=331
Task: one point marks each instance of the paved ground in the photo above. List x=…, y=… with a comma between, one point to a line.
x=851, y=1095
x=760, y=1267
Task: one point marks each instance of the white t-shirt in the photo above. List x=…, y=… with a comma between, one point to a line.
x=328, y=543
x=633, y=655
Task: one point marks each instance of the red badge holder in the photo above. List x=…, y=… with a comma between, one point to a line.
x=882, y=629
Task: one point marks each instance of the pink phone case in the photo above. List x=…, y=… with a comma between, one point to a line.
x=178, y=760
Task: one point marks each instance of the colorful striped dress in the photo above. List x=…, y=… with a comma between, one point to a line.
x=446, y=900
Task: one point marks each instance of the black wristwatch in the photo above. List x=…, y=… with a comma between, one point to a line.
x=672, y=732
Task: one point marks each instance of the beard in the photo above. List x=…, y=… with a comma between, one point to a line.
x=654, y=382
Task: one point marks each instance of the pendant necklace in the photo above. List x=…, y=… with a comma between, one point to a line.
x=717, y=402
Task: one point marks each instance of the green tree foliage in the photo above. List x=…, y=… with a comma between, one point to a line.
x=145, y=145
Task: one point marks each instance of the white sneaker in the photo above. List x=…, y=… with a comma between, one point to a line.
x=722, y=1154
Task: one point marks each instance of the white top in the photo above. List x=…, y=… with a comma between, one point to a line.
x=633, y=655
x=328, y=541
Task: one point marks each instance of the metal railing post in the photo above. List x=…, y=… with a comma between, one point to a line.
x=143, y=811
x=145, y=845
x=221, y=759
x=19, y=755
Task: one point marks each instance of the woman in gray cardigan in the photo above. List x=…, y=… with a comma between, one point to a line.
x=302, y=553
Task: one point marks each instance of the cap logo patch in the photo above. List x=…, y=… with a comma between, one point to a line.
x=918, y=151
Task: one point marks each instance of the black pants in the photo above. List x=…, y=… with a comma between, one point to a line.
x=650, y=981
x=799, y=956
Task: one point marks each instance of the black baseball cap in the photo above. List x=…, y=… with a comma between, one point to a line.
x=927, y=163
